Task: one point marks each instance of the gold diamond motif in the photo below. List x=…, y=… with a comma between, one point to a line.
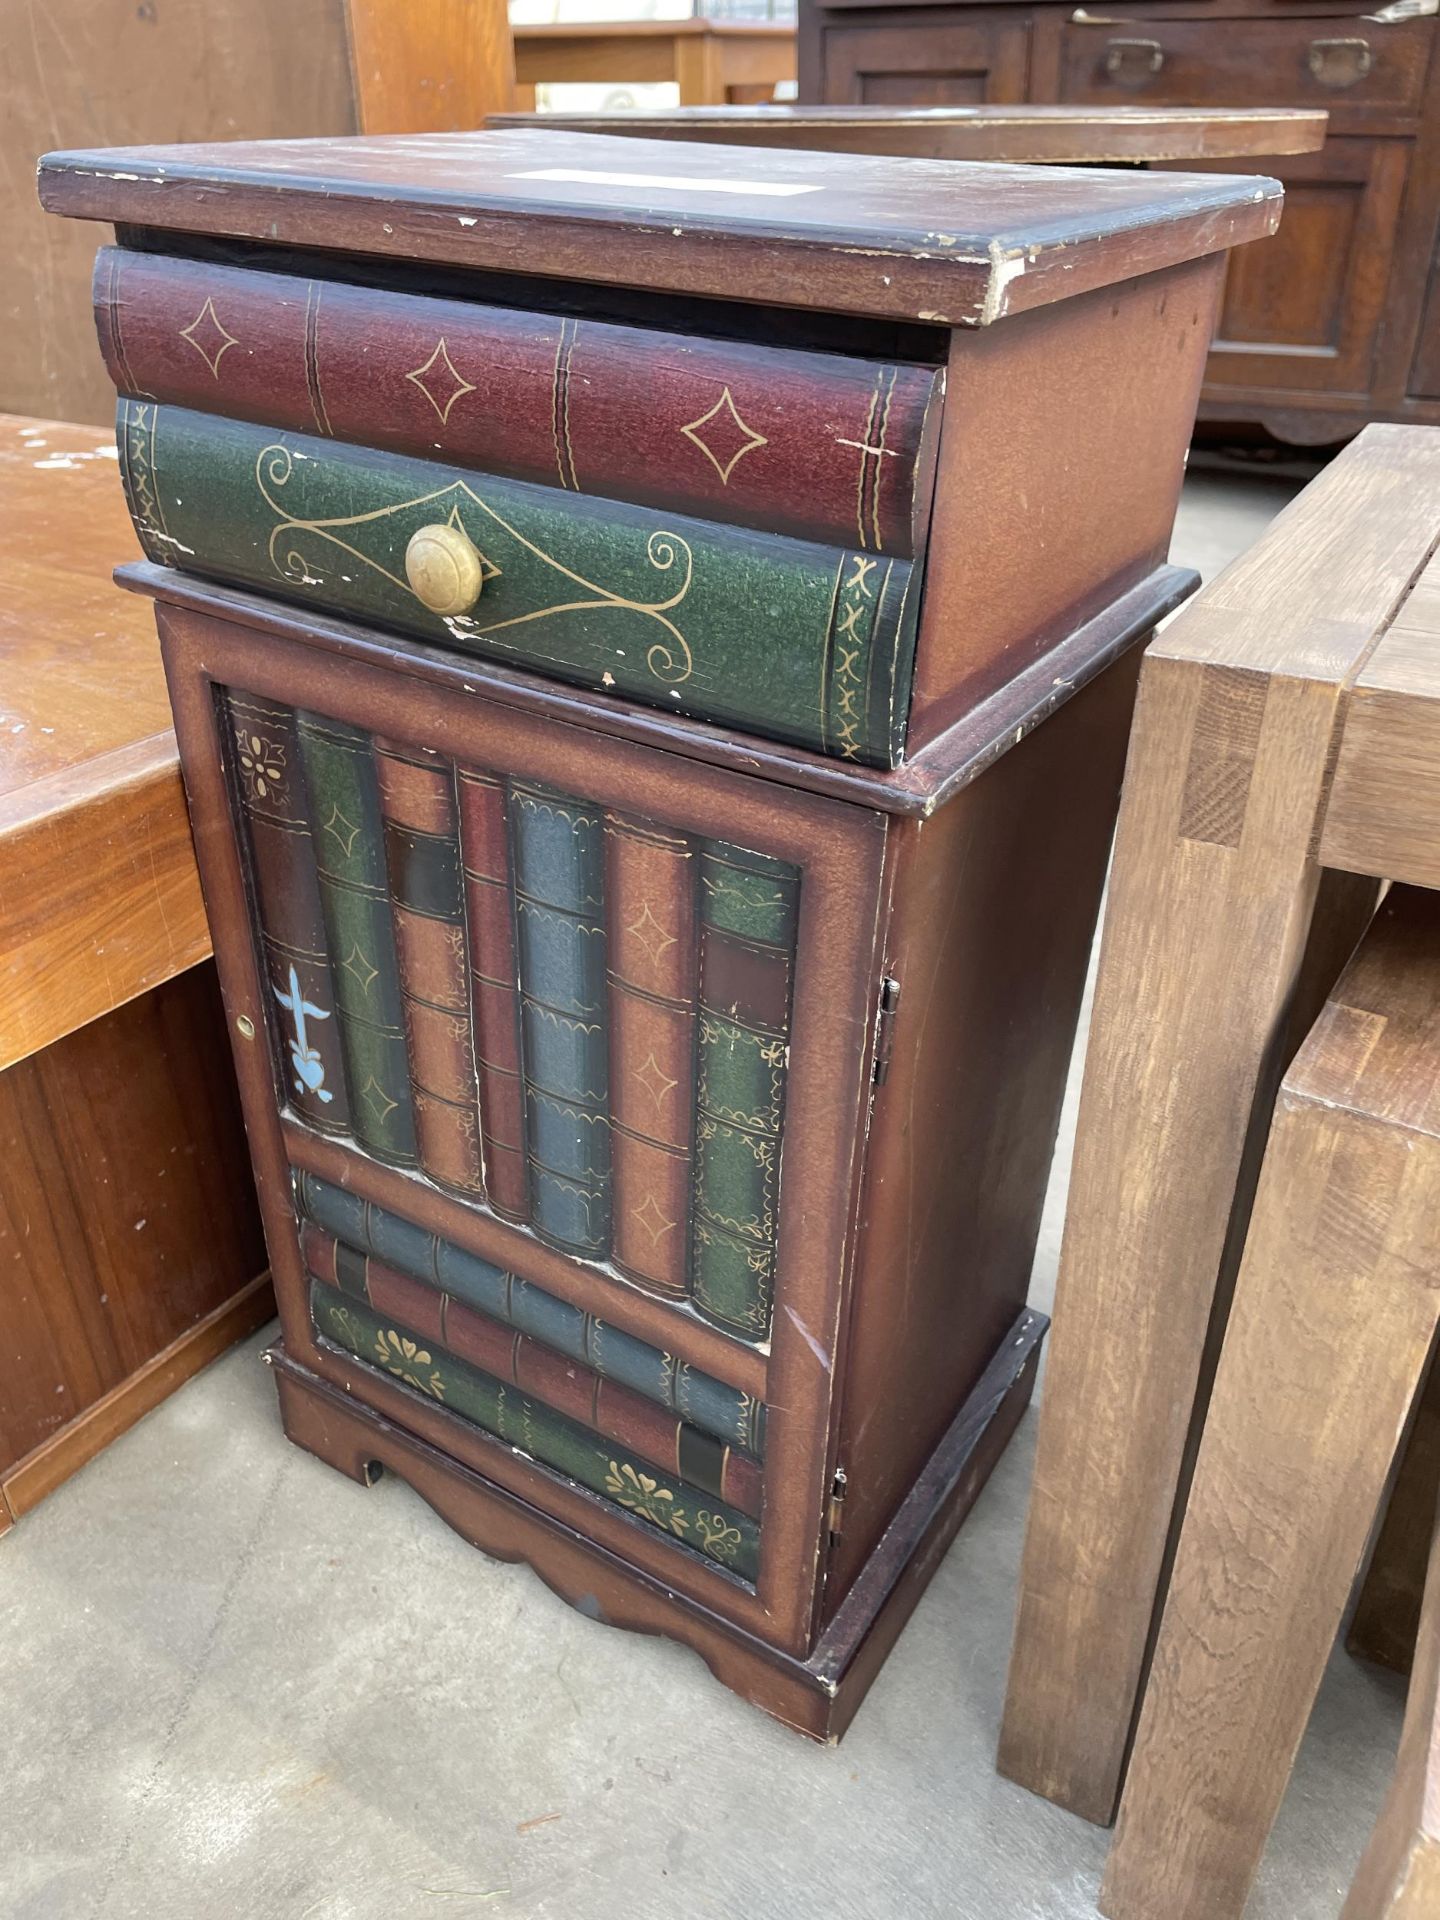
x=356, y=963
x=488, y=568
x=655, y=1080
x=726, y=425
x=441, y=385
x=651, y=935
x=651, y=1219
x=376, y=1098
x=345, y=831
x=208, y=337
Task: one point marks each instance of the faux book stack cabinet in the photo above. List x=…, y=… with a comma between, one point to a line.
x=651, y=631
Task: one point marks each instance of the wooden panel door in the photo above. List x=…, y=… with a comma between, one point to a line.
x=925, y=65
x=825, y=987
x=1304, y=310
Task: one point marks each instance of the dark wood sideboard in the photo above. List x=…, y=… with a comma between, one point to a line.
x=1337, y=320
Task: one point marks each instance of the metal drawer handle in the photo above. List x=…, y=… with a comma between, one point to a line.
x=1132, y=62
x=1340, y=63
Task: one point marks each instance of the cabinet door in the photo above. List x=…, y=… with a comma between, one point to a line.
x=568, y=1054
x=1303, y=309
x=924, y=65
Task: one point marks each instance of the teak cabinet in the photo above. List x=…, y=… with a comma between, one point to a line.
x=652, y=760
x=1333, y=324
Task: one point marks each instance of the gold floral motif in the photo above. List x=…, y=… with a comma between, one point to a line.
x=349, y=1326
x=262, y=763
x=717, y=1536
x=404, y=1358
x=638, y=1493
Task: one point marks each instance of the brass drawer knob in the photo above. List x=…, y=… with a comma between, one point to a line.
x=444, y=570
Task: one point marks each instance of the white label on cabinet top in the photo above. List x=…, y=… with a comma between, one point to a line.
x=586, y=177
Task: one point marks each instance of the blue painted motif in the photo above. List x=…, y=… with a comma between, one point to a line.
x=309, y=1068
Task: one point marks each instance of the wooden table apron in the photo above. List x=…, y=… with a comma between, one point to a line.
x=841, y=852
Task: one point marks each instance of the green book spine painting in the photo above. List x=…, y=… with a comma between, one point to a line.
x=350, y=856
x=559, y=921
x=782, y=637
x=748, y=914
x=678, y=1510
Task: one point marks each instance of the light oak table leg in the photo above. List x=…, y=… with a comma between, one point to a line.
x=1335, y=1309
x=1213, y=892
x=1399, y=1876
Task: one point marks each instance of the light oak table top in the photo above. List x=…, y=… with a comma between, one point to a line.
x=1091, y=136
x=99, y=896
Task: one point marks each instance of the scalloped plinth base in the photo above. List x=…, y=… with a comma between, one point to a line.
x=818, y=1696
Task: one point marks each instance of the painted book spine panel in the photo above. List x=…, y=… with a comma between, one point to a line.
x=748, y=917
x=494, y=987
x=699, y=1398
x=682, y=1512
x=270, y=780
x=350, y=855
x=650, y=920
x=818, y=445
x=579, y=1392
x=559, y=917
x=782, y=637
x=422, y=860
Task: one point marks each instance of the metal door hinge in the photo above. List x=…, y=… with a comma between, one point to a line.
x=885, y=1027
x=837, y=1501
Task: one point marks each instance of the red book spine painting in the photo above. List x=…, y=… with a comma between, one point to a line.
x=422, y=860
x=651, y=946
x=494, y=988
x=607, y=1408
x=824, y=446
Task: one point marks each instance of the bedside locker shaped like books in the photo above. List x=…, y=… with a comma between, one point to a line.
x=652, y=631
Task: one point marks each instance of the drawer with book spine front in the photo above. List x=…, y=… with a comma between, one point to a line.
x=728, y=530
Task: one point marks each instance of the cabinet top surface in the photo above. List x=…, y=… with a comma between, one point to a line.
x=1020, y=134
x=936, y=240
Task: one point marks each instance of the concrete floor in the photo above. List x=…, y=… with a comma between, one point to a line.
x=238, y=1684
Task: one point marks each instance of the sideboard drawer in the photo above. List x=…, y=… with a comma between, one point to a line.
x=1333, y=62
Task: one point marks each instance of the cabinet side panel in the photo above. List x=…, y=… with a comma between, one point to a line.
x=1061, y=457
x=994, y=911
